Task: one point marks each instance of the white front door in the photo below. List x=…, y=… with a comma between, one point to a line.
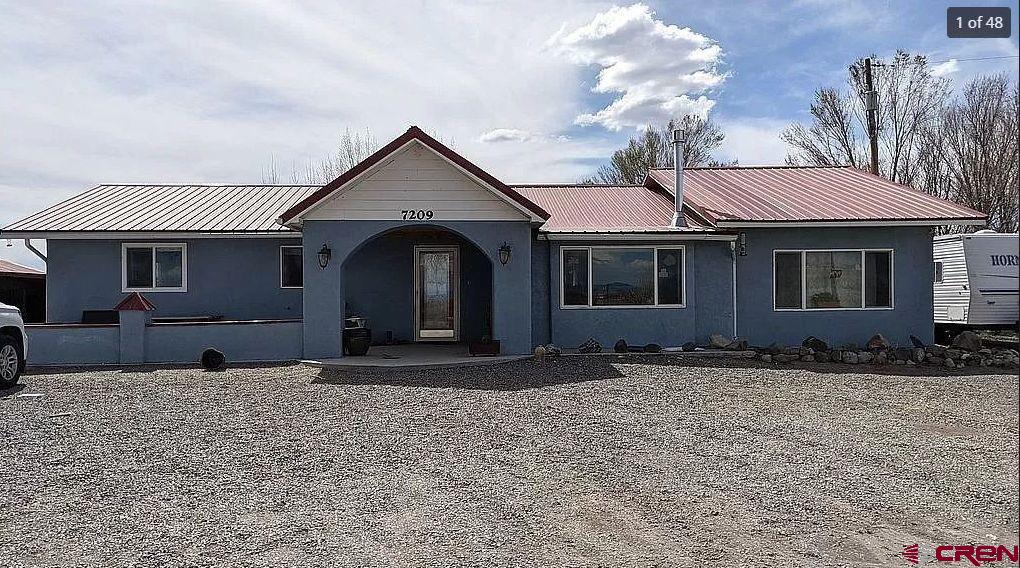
x=436, y=293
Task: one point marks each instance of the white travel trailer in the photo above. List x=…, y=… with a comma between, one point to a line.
x=976, y=280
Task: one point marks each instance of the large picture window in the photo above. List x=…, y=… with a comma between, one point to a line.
x=291, y=270
x=833, y=279
x=154, y=267
x=623, y=276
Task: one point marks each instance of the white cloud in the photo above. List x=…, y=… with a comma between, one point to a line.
x=945, y=68
x=753, y=141
x=654, y=68
x=505, y=135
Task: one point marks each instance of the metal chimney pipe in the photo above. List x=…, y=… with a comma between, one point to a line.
x=678, y=177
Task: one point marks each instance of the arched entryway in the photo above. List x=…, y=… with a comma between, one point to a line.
x=424, y=284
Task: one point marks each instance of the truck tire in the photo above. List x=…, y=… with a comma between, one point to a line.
x=11, y=363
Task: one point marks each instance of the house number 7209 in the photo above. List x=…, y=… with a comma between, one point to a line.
x=417, y=214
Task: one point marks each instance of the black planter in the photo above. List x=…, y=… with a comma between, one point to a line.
x=357, y=341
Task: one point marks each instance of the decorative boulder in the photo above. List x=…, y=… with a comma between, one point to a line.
x=881, y=358
x=850, y=357
x=553, y=350
x=540, y=351
x=835, y=355
x=653, y=348
x=689, y=346
x=774, y=348
x=936, y=350
x=808, y=358
x=620, y=346
x=784, y=358
x=738, y=344
x=213, y=359
x=967, y=340
x=877, y=342
x=766, y=358
x=812, y=342
x=904, y=353
x=865, y=357
x=916, y=342
x=718, y=341
x=822, y=357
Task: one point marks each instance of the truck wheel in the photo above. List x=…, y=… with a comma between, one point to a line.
x=10, y=361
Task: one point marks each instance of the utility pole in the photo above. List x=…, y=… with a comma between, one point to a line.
x=871, y=107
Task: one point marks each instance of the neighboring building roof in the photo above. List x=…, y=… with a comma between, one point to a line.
x=606, y=209
x=413, y=133
x=242, y=209
x=735, y=196
x=8, y=268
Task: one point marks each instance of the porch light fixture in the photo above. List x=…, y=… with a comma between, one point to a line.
x=504, y=253
x=324, y=254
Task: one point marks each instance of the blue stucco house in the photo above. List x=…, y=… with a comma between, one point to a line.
x=428, y=247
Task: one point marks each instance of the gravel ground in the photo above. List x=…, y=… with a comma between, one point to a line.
x=581, y=461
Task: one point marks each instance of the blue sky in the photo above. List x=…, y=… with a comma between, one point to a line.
x=532, y=91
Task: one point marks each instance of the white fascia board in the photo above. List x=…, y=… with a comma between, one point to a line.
x=861, y=223
x=116, y=235
x=678, y=236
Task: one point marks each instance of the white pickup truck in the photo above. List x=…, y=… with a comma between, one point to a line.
x=13, y=345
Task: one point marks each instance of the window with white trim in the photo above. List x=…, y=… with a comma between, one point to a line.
x=622, y=276
x=832, y=279
x=154, y=267
x=291, y=270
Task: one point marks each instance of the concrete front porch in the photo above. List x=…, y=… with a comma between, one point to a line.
x=415, y=356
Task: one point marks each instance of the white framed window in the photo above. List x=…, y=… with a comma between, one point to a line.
x=291, y=267
x=154, y=267
x=623, y=277
x=837, y=279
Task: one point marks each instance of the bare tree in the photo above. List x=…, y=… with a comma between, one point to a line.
x=654, y=149
x=352, y=147
x=910, y=99
x=981, y=152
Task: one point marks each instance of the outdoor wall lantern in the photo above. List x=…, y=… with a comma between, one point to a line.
x=504, y=253
x=324, y=254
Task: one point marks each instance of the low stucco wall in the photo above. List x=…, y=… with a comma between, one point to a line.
x=239, y=341
x=73, y=344
x=163, y=342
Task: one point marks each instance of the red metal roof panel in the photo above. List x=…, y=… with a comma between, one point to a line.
x=792, y=194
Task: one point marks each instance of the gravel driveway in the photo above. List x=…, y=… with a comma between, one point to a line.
x=581, y=461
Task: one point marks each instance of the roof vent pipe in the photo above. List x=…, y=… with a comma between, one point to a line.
x=678, y=177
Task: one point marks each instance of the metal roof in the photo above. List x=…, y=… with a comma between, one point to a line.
x=606, y=209
x=805, y=194
x=12, y=268
x=170, y=208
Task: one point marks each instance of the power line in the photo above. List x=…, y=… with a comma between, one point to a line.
x=955, y=59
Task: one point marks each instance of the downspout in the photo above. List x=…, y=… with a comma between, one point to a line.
x=28, y=245
x=733, y=255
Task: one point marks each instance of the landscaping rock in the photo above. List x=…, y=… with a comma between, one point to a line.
x=919, y=355
x=620, y=346
x=865, y=357
x=784, y=358
x=916, y=342
x=590, y=346
x=808, y=358
x=812, y=342
x=213, y=359
x=653, y=348
x=939, y=361
x=718, y=341
x=774, y=348
x=850, y=357
x=552, y=350
x=950, y=363
x=822, y=357
x=936, y=350
x=835, y=355
x=689, y=346
x=967, y=340
x=904, y=353
x=738, y=344
x=540, y=351
x=766, y=358
x=877, y=342
x=881, y=358
x=805, y=351
x=953, y=354
x=791, y=351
